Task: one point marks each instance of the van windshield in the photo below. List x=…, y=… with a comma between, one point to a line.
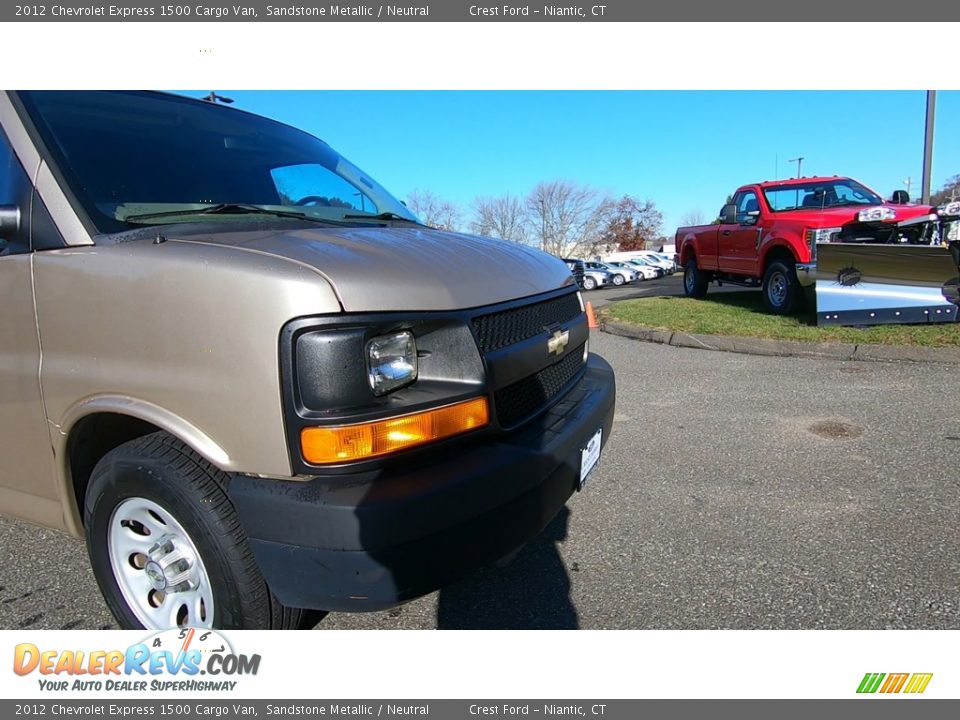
x=138, y=158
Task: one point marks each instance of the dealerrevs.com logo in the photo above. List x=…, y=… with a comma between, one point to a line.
x=910, y=683
x=171, y=660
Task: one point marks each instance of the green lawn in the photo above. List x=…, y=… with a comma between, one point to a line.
x=742, y=314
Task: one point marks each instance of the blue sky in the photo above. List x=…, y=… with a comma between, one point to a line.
x=685, y=150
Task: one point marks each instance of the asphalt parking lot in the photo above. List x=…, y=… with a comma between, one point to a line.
x=736, y=491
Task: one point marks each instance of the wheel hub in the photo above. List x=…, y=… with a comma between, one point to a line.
x=157, y=567
x=155, y=575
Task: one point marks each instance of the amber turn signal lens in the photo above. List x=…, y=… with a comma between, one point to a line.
x=345, y=443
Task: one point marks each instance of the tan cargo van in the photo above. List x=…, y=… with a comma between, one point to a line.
x=254, y=381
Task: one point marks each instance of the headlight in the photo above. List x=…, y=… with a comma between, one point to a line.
x=819, y=235
x=877, y=214
x=952, y=231
x=391, y=362
x=951, y=208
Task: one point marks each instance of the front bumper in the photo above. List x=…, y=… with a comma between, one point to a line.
x=807, y=274
x=372, y=541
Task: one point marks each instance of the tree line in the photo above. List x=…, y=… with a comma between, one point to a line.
x=563, y=218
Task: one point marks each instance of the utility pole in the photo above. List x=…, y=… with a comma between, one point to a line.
x=799, y=162
x=908, y=182
x=928, y=144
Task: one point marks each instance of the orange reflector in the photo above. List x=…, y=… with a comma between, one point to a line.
x=344, y=443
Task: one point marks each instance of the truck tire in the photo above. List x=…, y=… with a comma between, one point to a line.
x=589, y=283
x=695, y=283
x=781, y=289
x=166, y=546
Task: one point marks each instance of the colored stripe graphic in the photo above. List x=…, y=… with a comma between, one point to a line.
x=894, y=682
x=918, y=683
x=870, y=682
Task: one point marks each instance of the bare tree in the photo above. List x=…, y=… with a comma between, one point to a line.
x=567, y=219
x=693, y=217
x=503, y=217
x=433, y=210
x=949, y=192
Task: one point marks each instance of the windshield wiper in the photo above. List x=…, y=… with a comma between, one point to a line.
x=230, y=209
x=381, y=216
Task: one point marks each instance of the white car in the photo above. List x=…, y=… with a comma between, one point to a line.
x=636, y=272
x=657, y=260
x=649, y=270
x=618, y=275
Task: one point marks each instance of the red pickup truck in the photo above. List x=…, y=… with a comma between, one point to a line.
x=769, y=232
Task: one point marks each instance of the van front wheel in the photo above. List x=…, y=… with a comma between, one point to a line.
x=166, y=546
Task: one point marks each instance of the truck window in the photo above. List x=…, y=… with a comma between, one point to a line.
x=746, y=202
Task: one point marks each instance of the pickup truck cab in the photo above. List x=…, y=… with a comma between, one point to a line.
x=767, y=235
x=255, y=382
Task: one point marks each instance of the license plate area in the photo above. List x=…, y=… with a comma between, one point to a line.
x=589, y=456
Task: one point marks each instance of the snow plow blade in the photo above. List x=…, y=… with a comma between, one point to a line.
x=867, y=284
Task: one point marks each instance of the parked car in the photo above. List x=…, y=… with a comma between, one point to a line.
x=638, y=273
x=618, y=276
x=651, y=271
x=265, y=387
x=578, y=268
x=593, y=279
x=649, y=256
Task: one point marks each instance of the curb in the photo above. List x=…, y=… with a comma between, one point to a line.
x=785, y=348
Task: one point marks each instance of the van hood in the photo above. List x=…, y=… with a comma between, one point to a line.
x=373, y=269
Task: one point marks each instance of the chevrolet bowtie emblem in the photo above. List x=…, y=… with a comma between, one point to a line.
x=557, y=343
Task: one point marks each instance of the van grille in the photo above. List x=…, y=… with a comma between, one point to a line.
x=498, y=330
x=517, y=401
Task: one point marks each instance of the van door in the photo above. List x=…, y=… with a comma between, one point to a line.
x=27, y=487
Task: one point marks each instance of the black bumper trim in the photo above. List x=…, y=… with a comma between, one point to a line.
x=374, y=540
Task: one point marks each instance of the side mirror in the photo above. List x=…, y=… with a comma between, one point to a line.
x=728, y=214
x=9, y=221
x=900, y=197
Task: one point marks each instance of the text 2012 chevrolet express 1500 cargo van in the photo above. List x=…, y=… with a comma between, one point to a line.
x=254, y=381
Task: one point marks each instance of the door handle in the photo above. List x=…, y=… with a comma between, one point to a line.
x=727, y=232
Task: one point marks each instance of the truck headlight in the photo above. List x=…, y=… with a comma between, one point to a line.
x=950, y=208
x=877, y=214
x=391, y=362
x=819, y=235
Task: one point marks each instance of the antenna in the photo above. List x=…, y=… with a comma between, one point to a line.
x=799, y=162
x=213, y=97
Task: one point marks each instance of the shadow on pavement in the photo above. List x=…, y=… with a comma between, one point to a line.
x=532, y=592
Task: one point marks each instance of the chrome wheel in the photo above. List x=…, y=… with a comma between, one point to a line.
x=157, y=567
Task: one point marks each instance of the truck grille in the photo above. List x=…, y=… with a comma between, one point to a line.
x=519, y=400
x=498, y=330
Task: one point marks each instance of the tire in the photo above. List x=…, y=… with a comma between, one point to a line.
x=167, y=548
x=694, y=282
x=589, y=283
x=618, y=280
x=781, y=289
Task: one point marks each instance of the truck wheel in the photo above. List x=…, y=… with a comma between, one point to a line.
x=166, y=546
x=589, y=283
x=618, y=280
x=694, y=282
x=781, y=289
